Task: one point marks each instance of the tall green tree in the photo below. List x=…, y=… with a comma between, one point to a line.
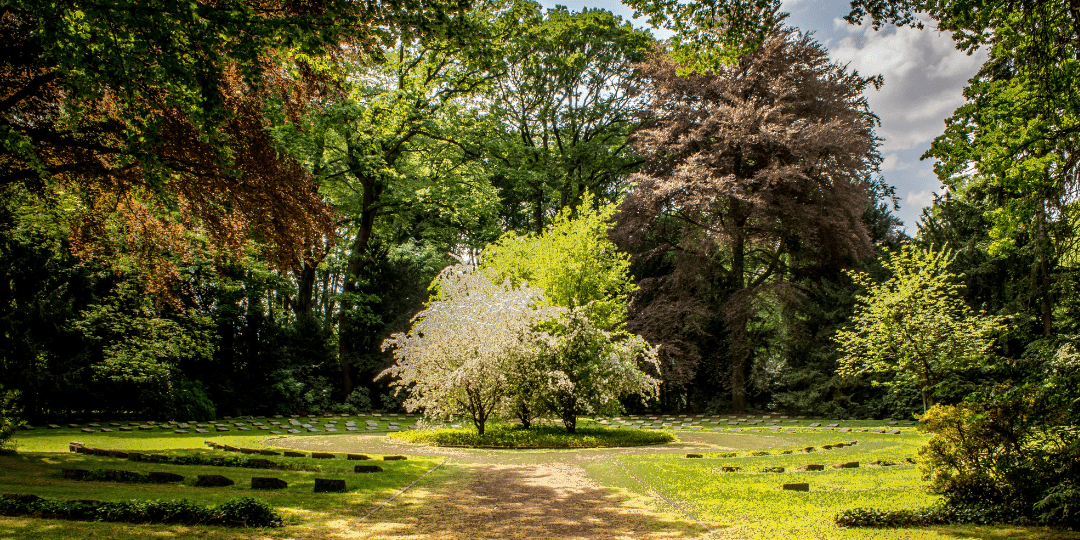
x=397, y=146
x=152, y=115
x=559, y=112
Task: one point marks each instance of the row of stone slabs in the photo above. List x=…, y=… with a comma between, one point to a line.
x=183, y=427
x=322, y=485
x=391, y=419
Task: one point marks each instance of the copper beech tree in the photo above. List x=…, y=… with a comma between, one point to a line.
x=752, y=170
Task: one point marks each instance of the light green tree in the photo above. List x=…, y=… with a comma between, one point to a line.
x=573, y=262
x=915, y=323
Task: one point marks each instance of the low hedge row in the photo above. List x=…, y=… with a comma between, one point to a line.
x=939, y=514
x=512, y=436
x=240, y=461
x=241, y=512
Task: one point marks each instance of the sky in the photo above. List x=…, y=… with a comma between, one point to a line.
x=924, y=80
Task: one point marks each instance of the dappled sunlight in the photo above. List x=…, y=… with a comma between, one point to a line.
x=539, y=501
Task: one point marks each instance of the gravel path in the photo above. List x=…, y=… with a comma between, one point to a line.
x=495, y=494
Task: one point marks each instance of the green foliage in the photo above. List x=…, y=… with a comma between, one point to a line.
x=139, y=345
x=242, y=512
x=1011, y=452
x=191, y=402
x=512, y=436
x=573, y=262
x=712, y=32
x=9, y=415
x=915, y=323
x=558, y=115
x=872, y=517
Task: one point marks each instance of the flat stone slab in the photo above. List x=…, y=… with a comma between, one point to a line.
x=213, y=480
x=158, y=477
x=357, y=457
x=290, y=453
x=694, y=456
x=812, y=468
x=394, y=458
x=259, y=482
x=797, y=487
x=848, y=465
x=367, y=468
x=329, y=485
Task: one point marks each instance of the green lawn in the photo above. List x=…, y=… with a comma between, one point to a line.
x=752, y=504
x=746, y=504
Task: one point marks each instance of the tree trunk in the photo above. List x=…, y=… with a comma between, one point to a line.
x=738, y=346
x=304, y=301
x=357, y=261
x=569, y=418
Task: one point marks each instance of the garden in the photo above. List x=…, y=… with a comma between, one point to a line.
x=506, y=269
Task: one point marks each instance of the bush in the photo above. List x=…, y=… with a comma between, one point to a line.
x=9, y=420
x=511, y=436
x=242, y=512
x=360, y=399
x=190, y=401
x=248, y=512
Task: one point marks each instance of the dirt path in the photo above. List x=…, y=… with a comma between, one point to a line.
x=496, y=494
x=523, y=501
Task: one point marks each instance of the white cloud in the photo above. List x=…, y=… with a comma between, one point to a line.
x=924, y=75
x=892, y=162
x=918, y=201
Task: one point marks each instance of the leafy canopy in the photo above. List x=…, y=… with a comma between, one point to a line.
x=914, y=324
x=573, y=262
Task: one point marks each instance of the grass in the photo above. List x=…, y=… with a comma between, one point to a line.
x=35, y=468
x=746, y=504
x=751, y=504
x=513, y=436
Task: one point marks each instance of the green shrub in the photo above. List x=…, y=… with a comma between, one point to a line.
x=9, y=419
x=248, y=512
x=242, y=512
x=512, y=436
x=190, y=401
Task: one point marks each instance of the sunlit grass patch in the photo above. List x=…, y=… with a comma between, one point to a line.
x=752, y=504
x=514, y=436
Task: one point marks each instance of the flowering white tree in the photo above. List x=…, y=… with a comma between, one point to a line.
x=582, y=369
x=460, y=350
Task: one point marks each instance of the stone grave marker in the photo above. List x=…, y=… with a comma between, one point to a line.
x=329, y=485
x=803, y=486
x=213, y=480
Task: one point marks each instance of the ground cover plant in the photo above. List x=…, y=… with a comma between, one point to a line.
x=514, y=436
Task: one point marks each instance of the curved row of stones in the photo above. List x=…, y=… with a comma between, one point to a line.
x=276, y=425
